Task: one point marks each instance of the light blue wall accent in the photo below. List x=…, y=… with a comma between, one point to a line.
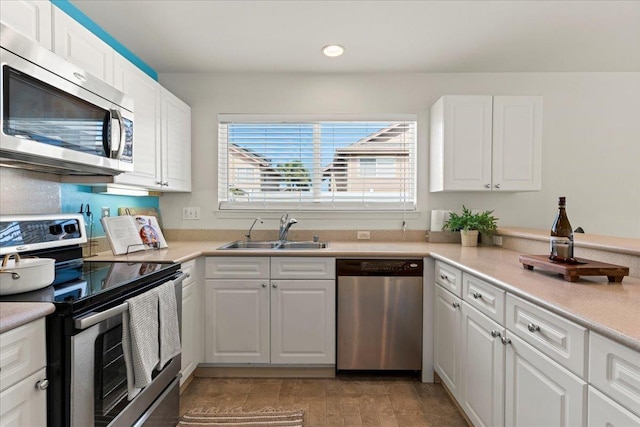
x=72, y=196
x=75, y=13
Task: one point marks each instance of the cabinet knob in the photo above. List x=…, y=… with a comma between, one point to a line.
x=42, y=384
x=455, y=304
x=477, y=295
x=264, y=285
x=159, y=182
x=533, y=327
x=165, y=183
x=495, y=334
x=275, y=285
x=497, y=185
x=505, y=340
x=487, y=185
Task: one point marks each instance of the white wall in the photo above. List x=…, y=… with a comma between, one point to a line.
x=591, y=142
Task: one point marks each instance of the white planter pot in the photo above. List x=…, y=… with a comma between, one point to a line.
x=469, y=237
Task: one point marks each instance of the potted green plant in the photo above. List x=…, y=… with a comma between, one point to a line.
x=471, y=224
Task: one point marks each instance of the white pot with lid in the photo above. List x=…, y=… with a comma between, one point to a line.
x=18, y=275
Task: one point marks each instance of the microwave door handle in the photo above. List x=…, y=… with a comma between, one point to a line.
x=116, y=150
x=106, y=140
x=121, y=142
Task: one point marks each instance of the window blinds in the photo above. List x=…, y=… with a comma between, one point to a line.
x=315, y=164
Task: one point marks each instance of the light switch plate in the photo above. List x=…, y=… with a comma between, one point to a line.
x=364, y=235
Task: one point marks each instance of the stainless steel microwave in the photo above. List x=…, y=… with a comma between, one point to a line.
x=58, y=118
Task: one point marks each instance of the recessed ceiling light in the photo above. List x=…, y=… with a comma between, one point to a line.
x=333, y=50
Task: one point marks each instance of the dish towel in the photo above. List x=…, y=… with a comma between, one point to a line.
x=169, y=326
x=140, y=342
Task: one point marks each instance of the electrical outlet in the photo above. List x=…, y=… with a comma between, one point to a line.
x=105, y=211
x=364, y=235
x=191, y=213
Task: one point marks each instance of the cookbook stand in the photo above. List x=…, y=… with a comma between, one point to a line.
x=154, y=247
x=572, y=272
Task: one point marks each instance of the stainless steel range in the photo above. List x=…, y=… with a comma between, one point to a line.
x=85, y=364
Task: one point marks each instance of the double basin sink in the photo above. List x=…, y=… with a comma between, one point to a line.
x=274, y=244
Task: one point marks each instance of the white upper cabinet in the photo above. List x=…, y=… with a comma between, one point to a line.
x=486, y=143
x=32, y=19
x=146, y=148
x=76, y=44
x=176, y=143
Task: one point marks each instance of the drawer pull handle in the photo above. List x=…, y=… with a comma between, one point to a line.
x=495, y=334
x=444, y=277
x=455, y=304
x=532, y=327
x=505, y=340
x=43, y=384
x=477, y=295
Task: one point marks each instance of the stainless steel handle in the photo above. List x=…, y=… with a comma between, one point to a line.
x=118, y=116
x=444, y=277
x=455, y=304
x=495, y=334
x=95, y=318
x=505, y=340
x=477, y=295
x=14, y=275
x=497, y=185
x=532, y=327
x=42, y=384
x=79, y=76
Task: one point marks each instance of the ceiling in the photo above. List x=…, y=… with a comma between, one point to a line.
x=379, y=36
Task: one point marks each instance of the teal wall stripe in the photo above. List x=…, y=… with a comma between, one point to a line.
x=75, y=13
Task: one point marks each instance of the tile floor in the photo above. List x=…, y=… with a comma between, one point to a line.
x=347, y=400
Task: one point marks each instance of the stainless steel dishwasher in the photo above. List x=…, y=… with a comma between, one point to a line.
x=379, y=314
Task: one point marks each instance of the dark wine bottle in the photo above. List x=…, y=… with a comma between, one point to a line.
x=562, y=236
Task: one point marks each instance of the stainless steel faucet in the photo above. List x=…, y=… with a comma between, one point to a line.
x=285, y=225
x=248, y=235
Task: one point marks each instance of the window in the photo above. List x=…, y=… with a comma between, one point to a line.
x=279, y=163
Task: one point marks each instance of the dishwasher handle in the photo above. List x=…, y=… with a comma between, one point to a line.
x=380, y=267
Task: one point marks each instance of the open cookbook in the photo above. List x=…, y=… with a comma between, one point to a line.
x=135, y=233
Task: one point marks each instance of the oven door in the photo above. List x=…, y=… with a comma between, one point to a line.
x=99, y=377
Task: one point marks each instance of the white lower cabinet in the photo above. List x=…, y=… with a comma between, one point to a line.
x=604, y=412
x=261, y=320
x=192, y=332
x=539, y=392
x=482, y=357
x=25, y=404
x=447, y=317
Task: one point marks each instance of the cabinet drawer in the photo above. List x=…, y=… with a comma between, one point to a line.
x=605, y=412
x=484, y=296
x=303, y=268
x=615, y=370
x=449, y=278
x=237, y=268
x=22, y=352
x=559, y=338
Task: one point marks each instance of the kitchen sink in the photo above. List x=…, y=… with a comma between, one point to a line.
x=242, y=244
x=271, y=244
x=303, y=245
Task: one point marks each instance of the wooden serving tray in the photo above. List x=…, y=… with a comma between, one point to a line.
x=572, y=272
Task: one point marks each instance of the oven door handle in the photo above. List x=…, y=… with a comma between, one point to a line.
x=95, y=318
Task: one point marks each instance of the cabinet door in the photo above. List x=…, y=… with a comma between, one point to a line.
x=81, y=47
x=30, y=18
x=303, y=328
x=188, y=337
x=604, y=412
x=176, y=143
x=538, y=391
x=517, y=143
x=237, y=321
x=22, y=352
x=25, y=404
x=461, y=143
x=482, y=367
x=146, y=147
x=447, y=322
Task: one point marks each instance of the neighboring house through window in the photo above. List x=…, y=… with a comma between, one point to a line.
x=277, y=163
